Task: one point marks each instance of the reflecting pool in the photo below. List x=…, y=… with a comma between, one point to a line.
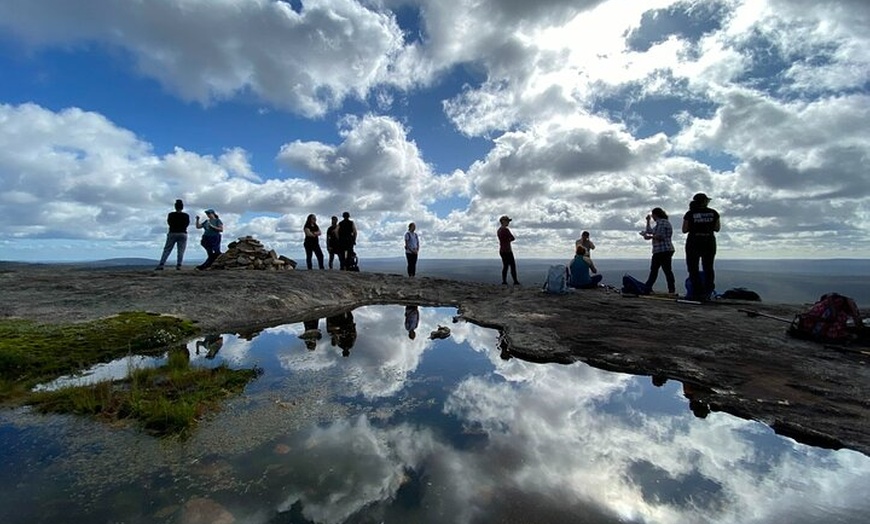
x=364, y=417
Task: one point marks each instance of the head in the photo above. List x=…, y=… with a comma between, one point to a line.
x=581, y=250
x=504, y=220
x=179, y=205
x=412, y=226
x=311, y=219
x=210, y=213
x=584, y=235
x=334, y=220
x=701, y=199
x=412, y=335
x=658, y=213
x=345, y=215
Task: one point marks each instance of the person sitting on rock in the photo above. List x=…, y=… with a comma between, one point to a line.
x=579, y=269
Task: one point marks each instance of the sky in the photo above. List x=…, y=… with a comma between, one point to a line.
x=566, y=115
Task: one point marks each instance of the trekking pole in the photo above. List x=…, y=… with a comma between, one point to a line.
x=753, y=313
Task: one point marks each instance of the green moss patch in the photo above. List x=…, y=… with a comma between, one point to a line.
x=31, y=353
x=164, y=401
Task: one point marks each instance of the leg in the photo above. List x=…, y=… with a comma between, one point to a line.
x=707, y=258
x=504, y=267
x=667, y=267
x=167, y=248
x=414, y=266
x=342, y=258
x=319, y=254
x=308, y=252
x=654, y=265
x=513, y=267
x=693, y=259
x=331, y=257
x=180, y=248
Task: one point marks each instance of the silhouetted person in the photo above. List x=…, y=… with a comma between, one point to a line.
x=412, y=248
x=662, y=249
x=332, y=241
x=178, y=222
x=701, y=223
x=505, y=251
x=312, y=241
x=346, y=241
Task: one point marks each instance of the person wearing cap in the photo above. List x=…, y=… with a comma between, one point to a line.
x=211, y=237
x=701, y=223
x=505, y=237
x=176, y=237
x=662, y=248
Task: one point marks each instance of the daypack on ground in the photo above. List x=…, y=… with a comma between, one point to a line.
x=741, y=293
x=827, y=320
x=557, y=280
x=633, y=286
x=352, y=263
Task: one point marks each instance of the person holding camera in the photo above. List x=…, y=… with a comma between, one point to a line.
x=662, y=248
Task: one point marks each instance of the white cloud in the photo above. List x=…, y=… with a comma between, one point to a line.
x=207, y=51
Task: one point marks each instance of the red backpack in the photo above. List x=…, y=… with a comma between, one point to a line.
x=827, y=320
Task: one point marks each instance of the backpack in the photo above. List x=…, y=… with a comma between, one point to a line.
x=826, y=320
x=557, y=280
x=352, y=263
x=741, y=293
x=633, y=286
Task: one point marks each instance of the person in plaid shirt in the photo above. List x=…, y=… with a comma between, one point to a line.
x=662, y=248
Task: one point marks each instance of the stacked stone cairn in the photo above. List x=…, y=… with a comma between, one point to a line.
x=249, y=253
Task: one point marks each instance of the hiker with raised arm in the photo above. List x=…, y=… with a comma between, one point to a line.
x=662, y=248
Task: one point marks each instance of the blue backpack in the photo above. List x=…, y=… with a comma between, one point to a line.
x=633, y=286
x=557, y=280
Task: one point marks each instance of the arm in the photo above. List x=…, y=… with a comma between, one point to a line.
x=716, y=225
x=217, y=226
x=686, y=226
x=591, y=265
x=307, y=231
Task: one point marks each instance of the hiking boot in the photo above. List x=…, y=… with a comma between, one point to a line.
x=158, y=268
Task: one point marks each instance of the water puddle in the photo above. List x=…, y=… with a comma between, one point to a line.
x=357, y=419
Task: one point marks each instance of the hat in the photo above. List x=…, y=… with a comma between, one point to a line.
x=209, y=210
x=504, y=218
x=700, y=197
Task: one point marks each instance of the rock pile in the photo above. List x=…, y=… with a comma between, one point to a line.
x=249, y=253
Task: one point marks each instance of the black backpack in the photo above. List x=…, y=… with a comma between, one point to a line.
x=741, y=293
x=633, y=286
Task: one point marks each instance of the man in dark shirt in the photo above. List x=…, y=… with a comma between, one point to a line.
x=701, y=223
x=346, y=241
x=177, y=235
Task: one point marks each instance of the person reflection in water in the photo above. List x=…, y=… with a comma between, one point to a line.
x=412, y=319
x=212, y=344
x=311, y=334
x=342, y=331
x=699, y=408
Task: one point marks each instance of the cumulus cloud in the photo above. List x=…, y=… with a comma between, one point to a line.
x=306, y=61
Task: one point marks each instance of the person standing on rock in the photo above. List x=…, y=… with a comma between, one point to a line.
x=177, y=236
x=586, y=242
x=211, y=237
x=701, y=223
x=412, y=248
x=662, y=248
x=312, y=241
x=505, y=251
x=346, y=241
x=332, y=240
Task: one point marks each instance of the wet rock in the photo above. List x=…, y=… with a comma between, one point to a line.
x=441, y=332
